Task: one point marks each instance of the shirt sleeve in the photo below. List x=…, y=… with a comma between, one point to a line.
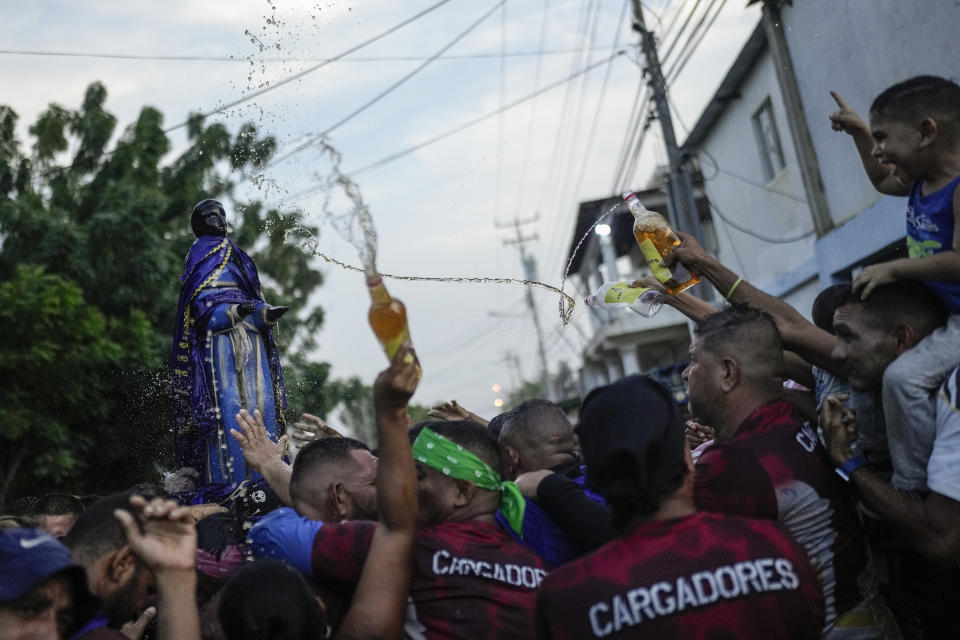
x=943, y=468
x=339, y=551
x=586, y=521
x=732, y=481
x=285, y=535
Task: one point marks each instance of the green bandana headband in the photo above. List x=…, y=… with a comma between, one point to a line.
x=452, y=460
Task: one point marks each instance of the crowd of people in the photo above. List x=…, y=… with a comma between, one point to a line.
x=810, y=488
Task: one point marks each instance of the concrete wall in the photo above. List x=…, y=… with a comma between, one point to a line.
x=859, y=48
x=775, y=208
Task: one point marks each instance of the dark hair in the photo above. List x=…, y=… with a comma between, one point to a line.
x=269, y=599
x=522, y=421
x=747, y=333
x=57, y=504
x=20, y=506
x=90, y=499
x=919, y=97
x=903, y=302
x=631, y=433
x=473, y=437
x=96, y=530
x=317, y=455
x=495, y=426
x=825, y=305
x=217, y=531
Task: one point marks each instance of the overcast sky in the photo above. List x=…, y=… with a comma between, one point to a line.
x=435, y=209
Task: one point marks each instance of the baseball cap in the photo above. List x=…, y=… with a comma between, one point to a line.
x=28, y=557
x=631, y=436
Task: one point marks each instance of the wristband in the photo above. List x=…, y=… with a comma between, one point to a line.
x=733, y=288
x=849, y=467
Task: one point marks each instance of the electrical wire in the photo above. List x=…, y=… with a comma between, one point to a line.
x=578, y=118
x=752, y=183
x=503, y=62
x=487, y=116
x=583, y=27
x=309, y=70
x=626, y=163
x=244, y=60
x=532, y=121
x=466, y=125
x=673, y=20
x=285, y=81
x=603, y=92
x=380, y=96
x=751, y=232
x=675, y=71
x=666, y=56
x=548, y=178
x=638, y=146
x=633, y=123
x=691, y=35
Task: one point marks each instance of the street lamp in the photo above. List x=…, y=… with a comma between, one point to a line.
x=606, y=250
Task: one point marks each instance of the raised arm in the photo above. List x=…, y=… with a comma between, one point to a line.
x=881, y=175
x=166, y=541
x=451, y=411
x=263, y=454
x=690, y=306
x=931, y=525
x=799, y=334
x=379, y=602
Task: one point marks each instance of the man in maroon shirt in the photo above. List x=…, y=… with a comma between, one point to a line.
x=470, y=579
x=767, y=462
x=675, y=573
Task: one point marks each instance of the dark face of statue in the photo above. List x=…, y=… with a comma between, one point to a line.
x=209, y=219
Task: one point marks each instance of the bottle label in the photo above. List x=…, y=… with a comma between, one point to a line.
x=655, y=261
x=623, y=292
x=392, y=346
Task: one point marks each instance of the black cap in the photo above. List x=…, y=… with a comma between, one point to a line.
x=631, y=436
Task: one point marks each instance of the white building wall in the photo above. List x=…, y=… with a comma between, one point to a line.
x=859, y=48
x=803, y=296
x=774, y=209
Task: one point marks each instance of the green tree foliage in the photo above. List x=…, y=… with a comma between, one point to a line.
x=65, y=341
x=355, y=401
x=92, y=243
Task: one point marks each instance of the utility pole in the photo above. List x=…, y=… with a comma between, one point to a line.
x=681, y=199
x=516, y=377
x=530, y=273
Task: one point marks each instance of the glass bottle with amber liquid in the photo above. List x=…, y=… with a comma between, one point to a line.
x=387, y=316
x=656, y=240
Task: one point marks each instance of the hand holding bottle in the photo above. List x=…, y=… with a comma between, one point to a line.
x=689, y=253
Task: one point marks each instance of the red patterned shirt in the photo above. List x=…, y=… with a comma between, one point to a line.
x=774, y=467
x=702, y=576
x=470, y=580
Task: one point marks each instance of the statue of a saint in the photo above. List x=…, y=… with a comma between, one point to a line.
x=225, y=357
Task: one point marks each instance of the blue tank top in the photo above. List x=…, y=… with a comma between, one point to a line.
x=930, y=231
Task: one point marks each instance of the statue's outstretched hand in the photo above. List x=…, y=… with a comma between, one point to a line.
x=244, y=309
x=273, y=313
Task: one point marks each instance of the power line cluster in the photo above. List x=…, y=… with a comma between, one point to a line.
x=257, y=60
x=312, y=140
x=674, y=65
x=685, y=30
